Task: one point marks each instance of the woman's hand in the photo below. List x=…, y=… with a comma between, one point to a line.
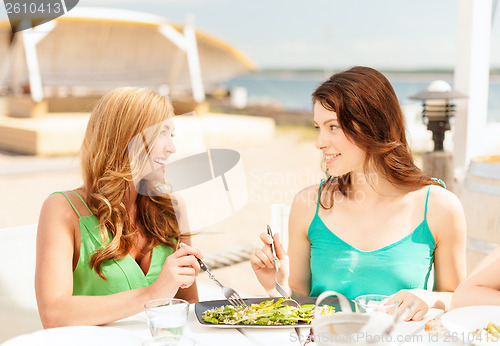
x=179, y=271
x=417, y=311
x=263, y=264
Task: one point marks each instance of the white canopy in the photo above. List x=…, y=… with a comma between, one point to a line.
x=91, y=50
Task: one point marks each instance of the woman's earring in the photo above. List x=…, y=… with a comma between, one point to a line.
x=324, y=168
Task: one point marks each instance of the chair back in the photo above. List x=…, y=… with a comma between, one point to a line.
x=18, y=308
x=279, y=222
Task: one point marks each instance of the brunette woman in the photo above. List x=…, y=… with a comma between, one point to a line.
x=376, y=224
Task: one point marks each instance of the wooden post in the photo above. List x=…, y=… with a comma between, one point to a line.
x=439, y=164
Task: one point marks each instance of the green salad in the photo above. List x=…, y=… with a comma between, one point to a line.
x=268, y=312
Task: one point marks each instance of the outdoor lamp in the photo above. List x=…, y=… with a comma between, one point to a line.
x=438, y=109
x=436, y=113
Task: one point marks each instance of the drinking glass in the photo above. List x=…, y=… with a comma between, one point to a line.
x=166, y=316
x=371, y=303
x=170, y=340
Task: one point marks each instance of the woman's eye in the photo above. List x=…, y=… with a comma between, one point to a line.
x=333, y=127
x=317, y=128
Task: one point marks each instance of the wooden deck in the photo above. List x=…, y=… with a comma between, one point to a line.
x=57, y=134
x=51, y=135
x=56, y=126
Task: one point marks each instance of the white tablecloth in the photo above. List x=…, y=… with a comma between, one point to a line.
x=215, y=335
x=132, y=331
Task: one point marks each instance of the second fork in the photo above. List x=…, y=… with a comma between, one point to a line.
x=278, y=287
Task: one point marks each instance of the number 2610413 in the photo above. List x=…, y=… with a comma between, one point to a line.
x=32, y=7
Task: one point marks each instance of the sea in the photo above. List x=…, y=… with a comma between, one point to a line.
x=291, y=89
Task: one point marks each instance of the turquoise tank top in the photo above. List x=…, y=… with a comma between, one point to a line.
x=338, y=266
x=121, y=275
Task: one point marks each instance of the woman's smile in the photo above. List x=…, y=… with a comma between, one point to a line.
x=329, y=158
x=160, y=161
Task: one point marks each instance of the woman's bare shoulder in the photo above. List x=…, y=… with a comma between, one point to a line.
x=304, y=207
x=443, y=200
x=57, y=200
x=445, y=215
x=57, y=206
x=307, y=197
x=436, y=197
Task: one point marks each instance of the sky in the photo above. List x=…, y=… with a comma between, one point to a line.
x=325, y=34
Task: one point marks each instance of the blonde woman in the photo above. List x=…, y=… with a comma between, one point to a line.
x=107, y=247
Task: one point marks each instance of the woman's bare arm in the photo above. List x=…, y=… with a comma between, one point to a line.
x=299, y=248
x=446, y=220
x=482, y=286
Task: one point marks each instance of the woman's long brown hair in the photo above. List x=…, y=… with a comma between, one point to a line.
x=116, y=119
x=370, y=115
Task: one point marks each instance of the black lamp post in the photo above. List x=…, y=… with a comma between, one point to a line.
x=437, y=112
x=438, y=109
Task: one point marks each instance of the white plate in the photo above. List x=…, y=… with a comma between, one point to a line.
x=464, y=321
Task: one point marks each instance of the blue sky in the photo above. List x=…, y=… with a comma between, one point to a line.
x=324, y=33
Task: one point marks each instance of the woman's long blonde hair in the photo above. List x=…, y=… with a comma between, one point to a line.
x=116, y=119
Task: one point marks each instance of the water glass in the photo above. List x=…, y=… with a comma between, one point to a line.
x=170, y=340
x=379, y=303
x=166, y=316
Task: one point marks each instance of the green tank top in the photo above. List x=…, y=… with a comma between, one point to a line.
x=338, y=266
x=121, y=275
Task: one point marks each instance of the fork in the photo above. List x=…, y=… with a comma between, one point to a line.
x=231, y=295
x=275, y=259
